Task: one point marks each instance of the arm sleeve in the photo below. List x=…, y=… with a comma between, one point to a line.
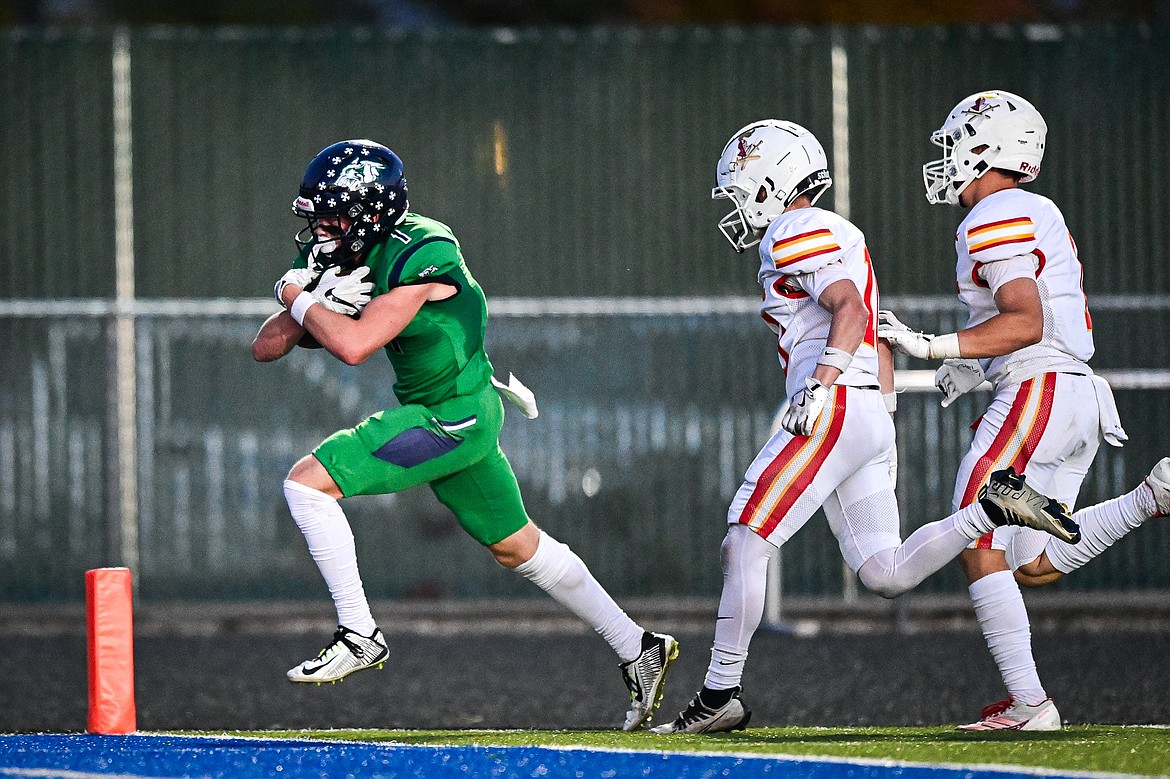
x=814, y=283
x=996, y=274
x=432, y=259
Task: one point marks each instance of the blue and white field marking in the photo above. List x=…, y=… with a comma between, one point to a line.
x=143, y=756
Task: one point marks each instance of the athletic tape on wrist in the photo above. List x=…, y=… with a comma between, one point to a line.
x=300, y=305
x=944, y=347
x=891, y=401
x=836, y=358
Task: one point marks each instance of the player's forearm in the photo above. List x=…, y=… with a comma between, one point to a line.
x=846, y=332
x=341, y=336
x=337, y=333
x=277, y=337
x=1004, y=333
x=885, y=367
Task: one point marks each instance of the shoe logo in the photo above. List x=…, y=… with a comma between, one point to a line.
x=330, y=296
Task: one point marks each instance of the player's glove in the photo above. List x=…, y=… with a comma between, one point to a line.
x=805, y=407
x=344, y=290
x=921, y=345
x=957, y=377
x=300, y=277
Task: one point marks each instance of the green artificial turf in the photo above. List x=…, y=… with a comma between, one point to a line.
x=1143, y=751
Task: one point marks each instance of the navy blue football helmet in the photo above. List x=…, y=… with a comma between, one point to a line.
x=360, y=183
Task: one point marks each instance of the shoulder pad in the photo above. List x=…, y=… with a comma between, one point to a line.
x=802, y=245
x=1006, y=228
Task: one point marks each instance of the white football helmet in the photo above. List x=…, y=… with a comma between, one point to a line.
x=1008, y=125
x=763, y=168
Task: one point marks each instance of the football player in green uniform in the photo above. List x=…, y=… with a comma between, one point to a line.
x=372, y=276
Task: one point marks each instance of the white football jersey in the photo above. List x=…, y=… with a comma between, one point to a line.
x=802, y=252
x=1027, y=233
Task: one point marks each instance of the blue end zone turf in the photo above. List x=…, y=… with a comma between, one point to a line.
x=138, y=756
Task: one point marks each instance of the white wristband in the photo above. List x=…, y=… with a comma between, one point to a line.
x=944, y=347
x=891, y=401
x=300, y=305
x=836, y=358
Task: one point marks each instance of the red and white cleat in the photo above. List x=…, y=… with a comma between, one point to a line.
x=1013, y=715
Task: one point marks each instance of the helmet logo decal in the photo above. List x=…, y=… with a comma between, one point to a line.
x=359, y=173
x=744, y=154
x=981, y=107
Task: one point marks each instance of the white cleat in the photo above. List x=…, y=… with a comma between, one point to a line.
x=1008, y=500
x=644, y=677
x=348, y=652
x=698, y=717
x=1159, y=483
x=1013, y=715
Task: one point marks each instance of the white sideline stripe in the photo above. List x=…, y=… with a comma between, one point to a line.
x=510, y=306
x=874, y=761
x=991, y=768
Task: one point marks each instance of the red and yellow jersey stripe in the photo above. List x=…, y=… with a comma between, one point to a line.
x=986, y=236
x=789, y=251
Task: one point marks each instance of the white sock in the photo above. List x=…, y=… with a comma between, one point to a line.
x=999, y=607
x=741, y=606
x=972, y=521
x=330, y=541
x=891, y=572
x=1101, y=525
x=555, y=569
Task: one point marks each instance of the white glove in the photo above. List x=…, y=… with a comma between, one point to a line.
x=344, y=290
x=805, y=407
x=924, y=346
x=957, y=377
x=300, y=277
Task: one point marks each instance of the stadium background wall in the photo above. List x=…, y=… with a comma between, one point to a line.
x=575, y=167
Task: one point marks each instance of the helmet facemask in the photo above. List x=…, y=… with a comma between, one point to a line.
x=739, y=227
x=961, y=164
x=342, y=245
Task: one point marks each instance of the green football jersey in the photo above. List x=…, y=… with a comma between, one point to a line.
x=439, y=354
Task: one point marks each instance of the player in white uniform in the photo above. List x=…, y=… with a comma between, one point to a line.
x=1029, y=326
x=836, y=444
